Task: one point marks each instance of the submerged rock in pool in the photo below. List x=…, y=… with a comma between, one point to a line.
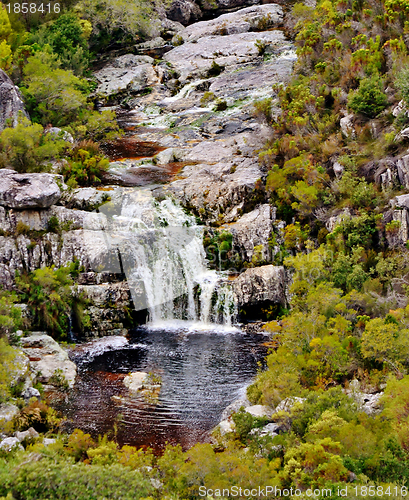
x=135, y=381
x=144, y=384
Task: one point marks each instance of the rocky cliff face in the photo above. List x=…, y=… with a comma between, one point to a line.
x=190, y=11
x=197, y=106
x=11, y=102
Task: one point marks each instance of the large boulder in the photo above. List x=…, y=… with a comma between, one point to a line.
x=219, y=179
x=184, y=11
x=243, y=21
x=47, y=357
x=29, y=190
x=135, y=381
x=251, y=230
x=235, y=407
x=259, y=285
x=259, y=411
x=11, y=101
x=189, y=11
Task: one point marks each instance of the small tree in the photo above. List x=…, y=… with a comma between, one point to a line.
x=369, y=99
x=26, y=148
x=49, y=296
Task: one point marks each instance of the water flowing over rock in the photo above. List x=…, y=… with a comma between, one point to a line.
x=142, y=248
x=29, y=190
x=11, y=102
x=160, y=250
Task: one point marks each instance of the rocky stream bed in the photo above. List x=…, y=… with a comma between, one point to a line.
x=188, y=162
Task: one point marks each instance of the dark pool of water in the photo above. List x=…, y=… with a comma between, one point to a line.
x=201, y=373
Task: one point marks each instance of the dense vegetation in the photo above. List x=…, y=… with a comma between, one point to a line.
x=348, y=325
x=49, y=57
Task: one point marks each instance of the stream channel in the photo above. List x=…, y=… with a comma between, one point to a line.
x=192, y=343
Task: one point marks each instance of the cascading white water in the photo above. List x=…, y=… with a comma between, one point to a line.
x=162, y=255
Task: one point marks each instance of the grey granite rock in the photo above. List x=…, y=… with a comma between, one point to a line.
x=242, y=21
x=260, y=284
x=11, y=102
x=10, y=443
x=251, y=230
x=46, y=357
x=29, y=190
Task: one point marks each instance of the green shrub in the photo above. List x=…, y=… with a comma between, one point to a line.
x=53, y=95
x=84, y=169
x=7, y=368
x=220, y=105
x=47, y=479
x=10, y=315
x=26, y=148
x=49, y=297
x=402, y=83
x=68, y=39
x=369, y=99
x=215, y=69
x=263, y=108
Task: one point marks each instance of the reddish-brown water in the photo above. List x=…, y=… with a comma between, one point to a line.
x=201, y=373
x=130, y=148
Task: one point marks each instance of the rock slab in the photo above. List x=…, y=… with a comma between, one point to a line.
x=260, y=284
x=23, y=191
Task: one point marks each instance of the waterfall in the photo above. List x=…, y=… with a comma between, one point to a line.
x=161, y=252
